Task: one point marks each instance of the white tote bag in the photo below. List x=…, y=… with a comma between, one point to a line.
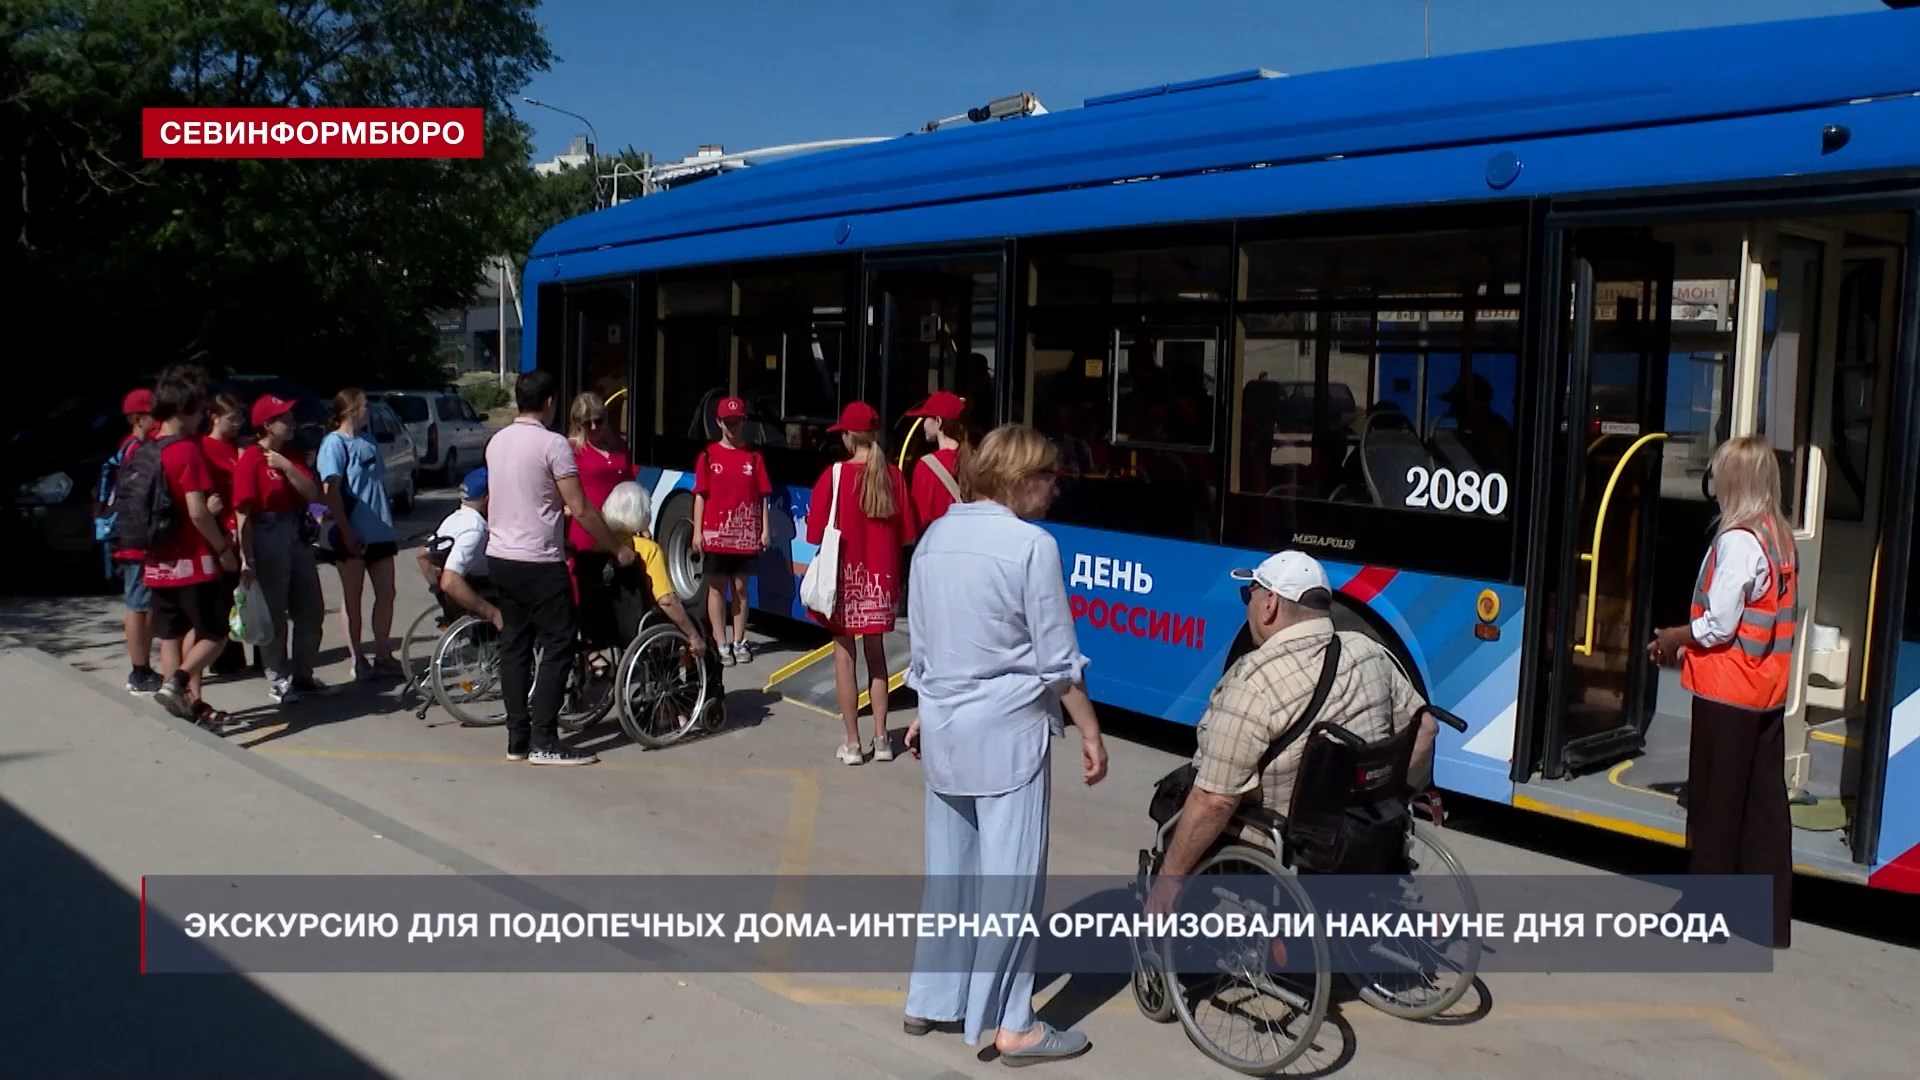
x=820, y=588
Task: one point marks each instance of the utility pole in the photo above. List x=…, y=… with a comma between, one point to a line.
x=504, y=271
x=1426, y=25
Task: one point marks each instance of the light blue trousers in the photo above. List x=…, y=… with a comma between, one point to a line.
x=986, y=856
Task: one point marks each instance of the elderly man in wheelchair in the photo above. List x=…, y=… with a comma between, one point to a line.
x=1310, y=753
x=454, y=559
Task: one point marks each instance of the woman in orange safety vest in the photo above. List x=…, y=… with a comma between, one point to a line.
x=1736, y=657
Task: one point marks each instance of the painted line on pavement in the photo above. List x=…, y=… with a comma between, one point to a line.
x=796, y=860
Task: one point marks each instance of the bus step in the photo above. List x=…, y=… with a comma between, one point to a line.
x=808, y=681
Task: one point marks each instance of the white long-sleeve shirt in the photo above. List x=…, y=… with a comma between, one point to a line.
x=1740, y=576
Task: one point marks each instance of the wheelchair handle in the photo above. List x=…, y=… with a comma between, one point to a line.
x=1445, y=717
x=1342, y=734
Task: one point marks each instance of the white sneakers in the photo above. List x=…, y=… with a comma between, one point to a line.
x=855, y=753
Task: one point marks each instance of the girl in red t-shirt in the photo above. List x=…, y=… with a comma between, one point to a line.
x=604, y=463
x=731, y=501
x=936, y=477
x=876, y=523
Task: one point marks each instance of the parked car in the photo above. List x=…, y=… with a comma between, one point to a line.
x=403, y=459
x=48, y=475
x=450, y=435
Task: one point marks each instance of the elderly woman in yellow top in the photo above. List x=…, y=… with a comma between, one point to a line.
x=1735, y=657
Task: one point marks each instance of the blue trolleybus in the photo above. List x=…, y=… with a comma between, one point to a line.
x=1467, y=329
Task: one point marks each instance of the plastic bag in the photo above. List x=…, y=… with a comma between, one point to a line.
x=251, y=621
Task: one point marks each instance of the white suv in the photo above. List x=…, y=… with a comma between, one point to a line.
x=450, y=435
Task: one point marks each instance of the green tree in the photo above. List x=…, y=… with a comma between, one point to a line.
x=323, y=270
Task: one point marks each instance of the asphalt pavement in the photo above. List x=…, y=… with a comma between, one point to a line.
x=101, y=788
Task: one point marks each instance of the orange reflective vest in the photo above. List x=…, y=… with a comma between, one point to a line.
x=1752, y=670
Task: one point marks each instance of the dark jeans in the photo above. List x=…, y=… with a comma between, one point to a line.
x=1737, y=820
x=536, y=603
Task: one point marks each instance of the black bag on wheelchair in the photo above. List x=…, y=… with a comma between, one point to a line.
x=1349, y=813
x=1170, y=791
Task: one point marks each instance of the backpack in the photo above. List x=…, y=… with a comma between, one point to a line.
x=143, y=507
x=105, y=519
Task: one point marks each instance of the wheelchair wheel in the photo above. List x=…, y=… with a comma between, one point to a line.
x=417, y=647
x=1425, y=978
x=1216, y=984
x=589, y=698
x=661, y=690
x=1150, y=989
x=465, y=675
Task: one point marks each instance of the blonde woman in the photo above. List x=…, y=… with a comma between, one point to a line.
x=602, y=457
x=1735, y=657
x=876, y=524
x=996, y=664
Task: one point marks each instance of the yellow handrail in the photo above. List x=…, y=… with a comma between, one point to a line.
x=1866, y=651
x=1592, y=557
x=906, y=442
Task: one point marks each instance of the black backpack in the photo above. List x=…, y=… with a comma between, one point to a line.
x=143, y=506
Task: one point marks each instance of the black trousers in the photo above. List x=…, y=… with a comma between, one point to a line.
x=536, y=604
x=1737, y=821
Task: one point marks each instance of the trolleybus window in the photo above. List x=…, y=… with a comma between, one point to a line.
x=1124, y=341
x=1382, y=370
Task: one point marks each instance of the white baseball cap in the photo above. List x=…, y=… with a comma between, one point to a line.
x=1292, y=575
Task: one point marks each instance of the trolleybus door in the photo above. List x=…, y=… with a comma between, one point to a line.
x=932, y=324
x=1613, y=352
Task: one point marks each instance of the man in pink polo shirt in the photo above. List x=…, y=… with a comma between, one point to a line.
x=531, y=481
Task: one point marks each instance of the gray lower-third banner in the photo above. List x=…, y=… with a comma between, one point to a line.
x=1418, y=926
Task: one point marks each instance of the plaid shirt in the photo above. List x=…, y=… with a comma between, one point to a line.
x=1266, y=690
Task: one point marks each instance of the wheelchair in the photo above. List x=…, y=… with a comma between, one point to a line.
x=661, y=691
x=1285, y=1008
x=463, y=673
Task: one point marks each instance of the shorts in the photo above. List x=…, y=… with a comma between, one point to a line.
x=202, y=608
x=721, y=564
x=370, y=554
x=133, y=587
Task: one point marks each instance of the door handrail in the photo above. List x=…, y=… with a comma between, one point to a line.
x=1592, y=556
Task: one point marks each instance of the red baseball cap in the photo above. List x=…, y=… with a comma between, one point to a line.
x=137, y=403
x=858, y=416
x=731, y=408
x=269, y=407
x=941, y=405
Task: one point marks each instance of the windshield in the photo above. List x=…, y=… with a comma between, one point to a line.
x=411, y=409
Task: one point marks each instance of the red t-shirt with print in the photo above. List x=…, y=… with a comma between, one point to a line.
x=871, y=555
x=183, y=557
x=733, y=481
x=258, y=488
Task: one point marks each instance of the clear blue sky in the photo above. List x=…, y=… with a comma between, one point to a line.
x=667, y=75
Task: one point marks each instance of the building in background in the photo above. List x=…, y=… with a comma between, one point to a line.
x=470, y=336
x=579, y=154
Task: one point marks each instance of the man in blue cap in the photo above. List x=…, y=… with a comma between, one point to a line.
x=454, y=560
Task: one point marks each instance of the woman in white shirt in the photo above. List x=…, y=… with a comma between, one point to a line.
x=1736, y=658
x=995, y=663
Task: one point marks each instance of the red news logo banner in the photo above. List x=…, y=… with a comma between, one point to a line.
x=313, y=133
